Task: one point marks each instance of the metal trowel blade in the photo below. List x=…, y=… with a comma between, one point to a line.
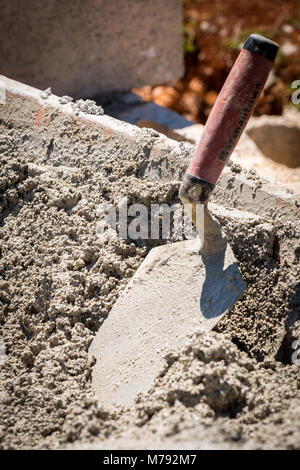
x=175, y=292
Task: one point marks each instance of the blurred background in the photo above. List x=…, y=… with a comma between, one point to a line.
x=214, y=32
x=174, y=53
x=161, y=64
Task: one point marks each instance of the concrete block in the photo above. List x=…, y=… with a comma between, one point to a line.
x=90, y=47
x=161, y=158
x=269, y=146
x=138, y=110
x=277, y=137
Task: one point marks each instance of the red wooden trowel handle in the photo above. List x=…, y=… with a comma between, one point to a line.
x=231, y=113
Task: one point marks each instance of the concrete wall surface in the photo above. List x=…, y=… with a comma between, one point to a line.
x=102, y=137
x=87, y=47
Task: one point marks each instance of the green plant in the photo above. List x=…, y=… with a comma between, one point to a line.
x=294, y=21
x=235, y=43
x=232, y=44
x=189, y=32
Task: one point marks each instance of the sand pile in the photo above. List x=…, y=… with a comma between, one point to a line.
x=212, y=385
x=233, y=387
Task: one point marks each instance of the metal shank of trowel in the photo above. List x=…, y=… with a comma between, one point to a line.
x=228, y=117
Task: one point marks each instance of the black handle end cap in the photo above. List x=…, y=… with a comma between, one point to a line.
x=262, y=46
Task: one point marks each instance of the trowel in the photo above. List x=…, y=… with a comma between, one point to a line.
x=190, y=285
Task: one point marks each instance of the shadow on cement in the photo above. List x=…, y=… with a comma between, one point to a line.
x=221, y=288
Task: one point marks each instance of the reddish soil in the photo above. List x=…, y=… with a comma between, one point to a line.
x=214, y=31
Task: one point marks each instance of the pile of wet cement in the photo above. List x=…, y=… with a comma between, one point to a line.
x=59, y=280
